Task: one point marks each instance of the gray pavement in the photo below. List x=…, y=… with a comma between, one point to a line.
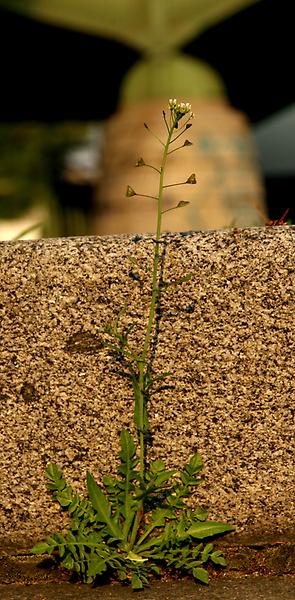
x=244, y=588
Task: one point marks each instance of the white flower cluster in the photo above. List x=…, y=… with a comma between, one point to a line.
x=183, y=107
x=179, y=109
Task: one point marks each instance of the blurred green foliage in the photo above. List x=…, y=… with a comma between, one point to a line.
x=30, y=153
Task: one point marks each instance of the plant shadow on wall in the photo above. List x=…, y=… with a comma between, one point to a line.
x=138, y=524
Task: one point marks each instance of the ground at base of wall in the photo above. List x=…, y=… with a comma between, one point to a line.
x=238, y=588
x=259, y=567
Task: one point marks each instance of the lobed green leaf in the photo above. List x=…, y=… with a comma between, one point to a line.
x=42, y=548
x=102, y=507
x=203, y=530
x=201, y=574
x=218, y=558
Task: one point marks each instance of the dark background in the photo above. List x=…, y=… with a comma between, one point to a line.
x=52, y=74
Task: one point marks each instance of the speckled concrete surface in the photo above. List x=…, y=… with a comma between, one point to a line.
x=227, y=334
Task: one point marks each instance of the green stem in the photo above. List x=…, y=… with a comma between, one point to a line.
x=136, y=525
x=174, y=184
x=142, y=360
x=153, y=304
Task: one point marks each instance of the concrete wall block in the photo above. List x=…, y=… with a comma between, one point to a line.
x=228, y=335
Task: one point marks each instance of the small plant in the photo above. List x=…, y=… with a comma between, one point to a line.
x=138, y=523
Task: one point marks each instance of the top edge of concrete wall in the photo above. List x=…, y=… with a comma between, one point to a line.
x=136, y=237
